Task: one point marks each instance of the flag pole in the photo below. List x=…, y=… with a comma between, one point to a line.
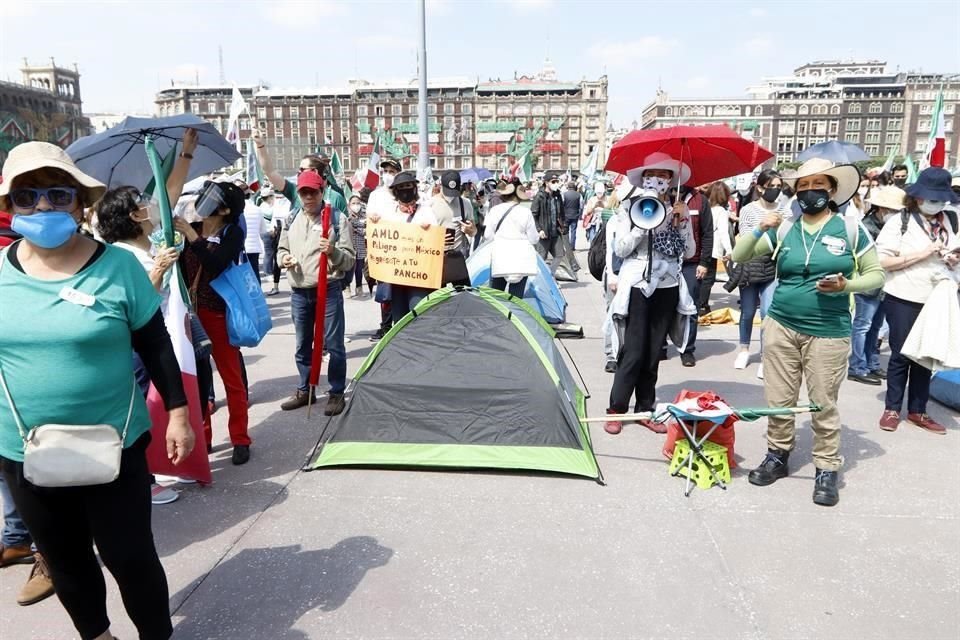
x=423, y=155
x=316, y=359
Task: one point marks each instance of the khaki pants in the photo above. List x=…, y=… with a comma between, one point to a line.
x=789, y=357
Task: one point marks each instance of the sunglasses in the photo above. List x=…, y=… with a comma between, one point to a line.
x=56, y=196
x=307, y=192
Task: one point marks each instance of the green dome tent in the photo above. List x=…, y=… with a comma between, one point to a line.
x=471, y=378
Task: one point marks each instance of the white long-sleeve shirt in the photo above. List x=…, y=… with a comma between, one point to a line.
x=721, y=232
x=631, y=245
x=253, y=216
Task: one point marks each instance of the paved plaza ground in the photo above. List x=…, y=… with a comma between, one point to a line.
x=270, y=552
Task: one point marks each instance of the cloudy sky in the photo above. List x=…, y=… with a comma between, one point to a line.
x=126, y=50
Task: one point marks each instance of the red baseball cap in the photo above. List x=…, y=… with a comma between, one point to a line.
x=310, y=180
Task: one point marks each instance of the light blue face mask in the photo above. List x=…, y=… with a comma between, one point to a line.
x=45, y=229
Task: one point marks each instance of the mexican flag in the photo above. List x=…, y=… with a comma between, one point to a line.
x=589, y=169
x=369, y=177
x=335, y=165
x=522, y=168
x=255, y=175
x=197, y=464
x=936, y=155
x=237, y=107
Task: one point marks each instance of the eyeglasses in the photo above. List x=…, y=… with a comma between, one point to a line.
x=56, y=196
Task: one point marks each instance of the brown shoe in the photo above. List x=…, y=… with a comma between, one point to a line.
x=15, y=554
x=39, y=585
x=299, y=399
x=335, y=405
x=927, y=423
x=890, y=420
x=613, y=427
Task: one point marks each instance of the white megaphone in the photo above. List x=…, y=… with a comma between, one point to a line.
x=646, y=211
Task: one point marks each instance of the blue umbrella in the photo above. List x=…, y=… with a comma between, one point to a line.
x=475, y=175
x=116, y=157
x=836, y=151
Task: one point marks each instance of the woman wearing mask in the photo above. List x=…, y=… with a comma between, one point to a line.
x=820, y=261
x=885, y=203
x=718, y=197
x=511, y=224
x=917, y=249
x=650, y=288
x=758, y=276
x=358, y=220
x=410, y=209
x=211, y=246
x=67, y=298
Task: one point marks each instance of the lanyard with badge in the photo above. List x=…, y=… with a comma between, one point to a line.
x=809, y=250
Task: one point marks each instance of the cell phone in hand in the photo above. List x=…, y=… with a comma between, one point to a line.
x=832, y=279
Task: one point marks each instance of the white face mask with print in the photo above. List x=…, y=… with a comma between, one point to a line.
x=660, y=185
x=387, y=179
x=931, y=207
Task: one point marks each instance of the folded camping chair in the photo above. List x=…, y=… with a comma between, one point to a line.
x=723, y=435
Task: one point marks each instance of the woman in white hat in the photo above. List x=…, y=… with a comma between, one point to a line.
x=821, y=259
x=917, y=248
x=73, y=312
x=883, y=204
x=650, y=286
x=511, y=227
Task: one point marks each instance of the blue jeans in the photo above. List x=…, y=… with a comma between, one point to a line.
x=303, y=310
x=867, y=320
x=749, y=297
x=403, y=299
x=14, y=530
x=572, y=232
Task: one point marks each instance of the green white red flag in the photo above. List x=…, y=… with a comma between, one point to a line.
x=936, y=155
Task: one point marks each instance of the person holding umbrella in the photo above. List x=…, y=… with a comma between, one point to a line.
x=302, y=243
x=63, y=294
x=821, y=258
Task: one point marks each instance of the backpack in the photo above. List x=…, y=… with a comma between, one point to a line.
x=597, y=254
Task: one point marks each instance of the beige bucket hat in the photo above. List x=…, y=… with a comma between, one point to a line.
x=30, y=156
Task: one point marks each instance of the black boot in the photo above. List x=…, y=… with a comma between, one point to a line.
x=241, y=454
x=773, y=467
x=825, y=491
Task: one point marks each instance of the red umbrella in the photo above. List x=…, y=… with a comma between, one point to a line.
x=321, y=312
x=712, y=152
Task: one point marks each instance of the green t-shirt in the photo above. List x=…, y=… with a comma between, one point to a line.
x=796, y=302
x=336, y=200
x=72, y=362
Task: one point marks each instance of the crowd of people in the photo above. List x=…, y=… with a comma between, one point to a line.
x=798, y=247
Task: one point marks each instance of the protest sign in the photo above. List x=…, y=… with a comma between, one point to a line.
x=406, y=254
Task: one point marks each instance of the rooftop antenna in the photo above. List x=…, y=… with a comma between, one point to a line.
x=223, y=76
x=196, y=76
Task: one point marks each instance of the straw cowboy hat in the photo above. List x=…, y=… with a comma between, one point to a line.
x=846, y=175
x=889, y=197
x=506, y=188
x=31, y=156
x=681, y=172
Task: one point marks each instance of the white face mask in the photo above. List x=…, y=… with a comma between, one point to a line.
x=388, y=179
x=355, y=208
x=931, y=207
x=660, y=185
x=863, y=191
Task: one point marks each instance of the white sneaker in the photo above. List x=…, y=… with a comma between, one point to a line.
x=743, y=359
x=760, y=371
x=160, y=494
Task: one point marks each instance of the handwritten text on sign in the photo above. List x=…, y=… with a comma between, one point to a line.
x=407, y=254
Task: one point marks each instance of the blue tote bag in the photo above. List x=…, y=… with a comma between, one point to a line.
x=248, y=317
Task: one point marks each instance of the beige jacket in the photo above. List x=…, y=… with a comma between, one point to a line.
x=301, y=240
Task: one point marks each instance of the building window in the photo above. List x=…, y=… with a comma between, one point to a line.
x=538, y=110
x=378, y=110
x=893, y=137
x=593, y=93
x=344, y=137
x=448, y=108
x=593, y=109
x=195, y=108
x=396, y=121
x=894, y=123
x=294, y=113
x=874, y=124
x=431, y=109
x=854, y=108
x=788, y=109
x=328, y=112
x=575, y=134
x=555, y=162
x=853, y=124
x=412, y=109
x=786, y=127
x=278, y=113
x=278, y=134
x=466, y=109
x=871, y=136
x=261, y=113
x=380, y=123
x=803, y=110
x=448, y=149
x=896, y=107
x=211, y=107
x=834, y=128
x=926, y=109
x=574, y=149
x=759, y=111
x=835, y=110
x=668, y=112
x=573, y=110
x=344, y=112
x=311, y=125
x=876, y=107
x=362, y=110
x=328, y=125
x=949, y=109
x=872, y=149
x=295, y=127
x=396, y=109
x=504, y=110
x=802, y=128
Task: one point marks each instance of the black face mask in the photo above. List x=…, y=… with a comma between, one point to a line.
x=900, y=182
x=813, y=200
x=406, y=196
x=771, y=195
